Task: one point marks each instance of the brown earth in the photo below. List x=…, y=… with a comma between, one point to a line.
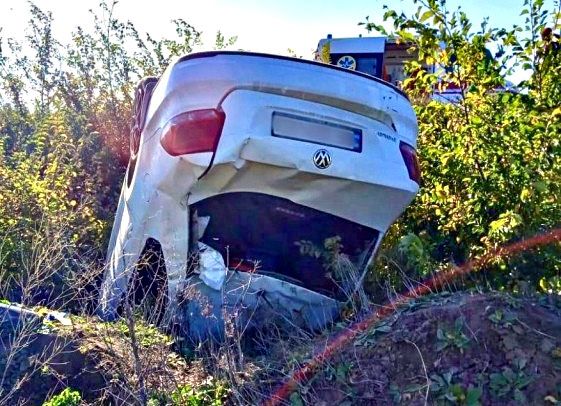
x=465, y=349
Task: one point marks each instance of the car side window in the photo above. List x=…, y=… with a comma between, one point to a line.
x=142, y=97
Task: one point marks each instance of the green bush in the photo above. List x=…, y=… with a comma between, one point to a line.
x=67, y=397
x=213, y=393
x=491, y=161
x=65, y=111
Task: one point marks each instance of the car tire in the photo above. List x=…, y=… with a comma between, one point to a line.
x=149, y=283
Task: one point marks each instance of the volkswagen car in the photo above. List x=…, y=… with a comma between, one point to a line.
x=269, y=166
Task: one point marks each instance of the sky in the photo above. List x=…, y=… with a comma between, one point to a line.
x=261, y=26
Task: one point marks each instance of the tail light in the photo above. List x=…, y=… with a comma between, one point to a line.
x=409, y=155
x=193, y=131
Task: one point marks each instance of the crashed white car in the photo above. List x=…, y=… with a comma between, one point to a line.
x=253, y=164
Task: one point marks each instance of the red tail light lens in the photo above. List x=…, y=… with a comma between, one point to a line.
x=193, y=131
x=409, y=155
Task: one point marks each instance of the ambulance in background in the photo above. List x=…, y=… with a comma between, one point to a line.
x=383, y=58
x=377, y=56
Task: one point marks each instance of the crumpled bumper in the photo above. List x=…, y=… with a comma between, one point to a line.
x=247, y=301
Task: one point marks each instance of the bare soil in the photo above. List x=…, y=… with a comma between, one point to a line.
x=446, y=349
x=466, y=349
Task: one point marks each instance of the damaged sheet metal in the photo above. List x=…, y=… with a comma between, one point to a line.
x=249, y=300
x=289, y=162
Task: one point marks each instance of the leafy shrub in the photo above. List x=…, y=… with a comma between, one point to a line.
x=213, y=393
x=67, y=397
x=491, y=160
x=65, y=111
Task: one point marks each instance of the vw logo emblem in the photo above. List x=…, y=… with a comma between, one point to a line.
x=322, y=159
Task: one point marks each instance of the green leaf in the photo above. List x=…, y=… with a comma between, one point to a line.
x=384, y=328
x=426, y=15
x=295, y=399
x=520, y=397
x=413, y=388
x=473, y=396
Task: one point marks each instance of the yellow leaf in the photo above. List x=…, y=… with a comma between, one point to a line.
x=524, y=195
x=426, y=15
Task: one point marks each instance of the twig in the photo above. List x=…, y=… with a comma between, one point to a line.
x=536, y=330
x=424, y=368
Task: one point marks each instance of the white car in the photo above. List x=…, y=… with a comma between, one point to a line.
x=259, y=161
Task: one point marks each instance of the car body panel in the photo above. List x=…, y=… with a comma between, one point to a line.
x=252, y=300
x=370, y=188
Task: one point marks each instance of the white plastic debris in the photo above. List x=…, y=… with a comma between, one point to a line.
x=212, y=269
x=61, y=317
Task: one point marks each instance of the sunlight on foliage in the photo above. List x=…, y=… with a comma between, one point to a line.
x=491, y=160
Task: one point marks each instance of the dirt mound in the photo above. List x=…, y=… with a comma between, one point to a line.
x=466, y=349
x=94, y=358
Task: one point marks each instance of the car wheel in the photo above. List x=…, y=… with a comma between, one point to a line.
x=149, y=283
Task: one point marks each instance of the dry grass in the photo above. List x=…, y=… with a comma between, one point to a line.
x=140, y=356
